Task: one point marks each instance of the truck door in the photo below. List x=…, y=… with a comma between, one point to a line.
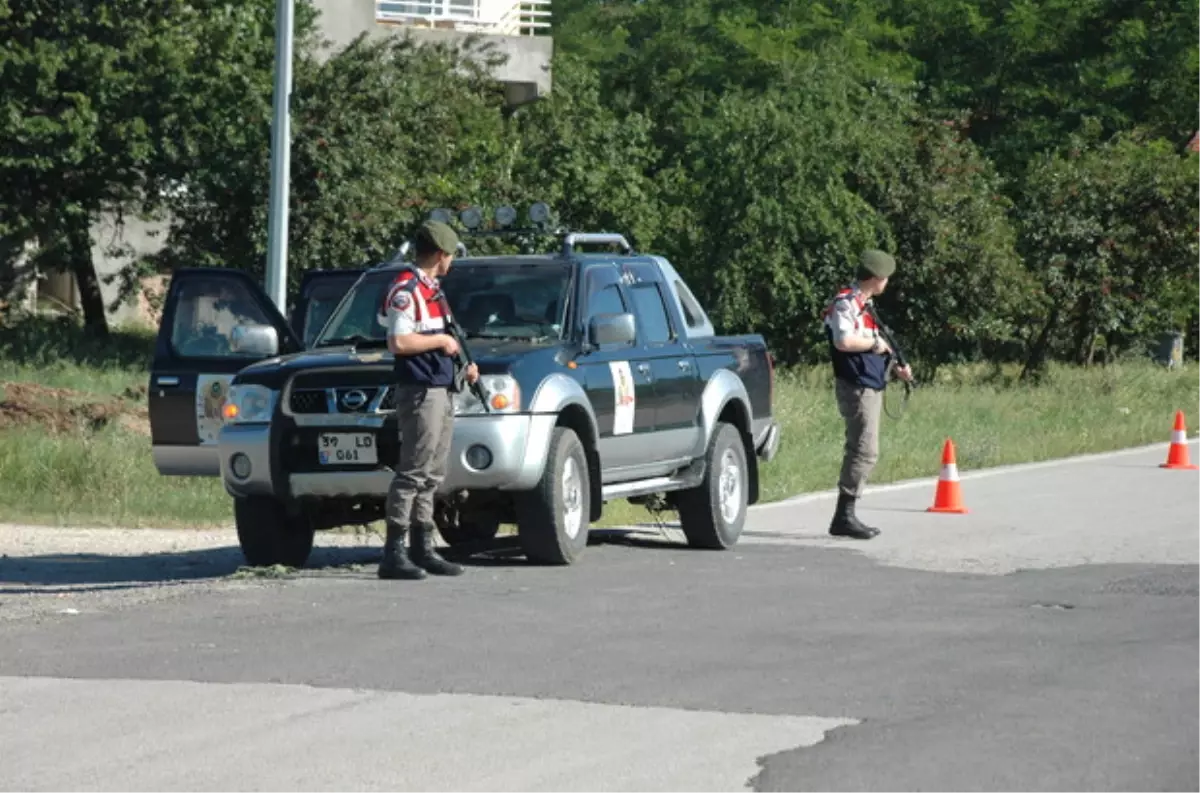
x=621, y=394
x=215, y=322
x=672, y=366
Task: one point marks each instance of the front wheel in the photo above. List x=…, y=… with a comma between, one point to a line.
x=713, y=513
x=552, y=518
x=267, y=534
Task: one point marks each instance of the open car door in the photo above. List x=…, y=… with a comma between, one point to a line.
x=215, y=322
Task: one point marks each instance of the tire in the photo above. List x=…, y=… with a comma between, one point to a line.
x=268, y=536
x=552, y=518
x=469, y=532
x=713, y=513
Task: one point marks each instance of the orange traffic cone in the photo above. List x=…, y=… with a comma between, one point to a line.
x=1177, y=456
x=948, y=497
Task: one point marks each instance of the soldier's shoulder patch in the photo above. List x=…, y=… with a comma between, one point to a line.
x=401, y=299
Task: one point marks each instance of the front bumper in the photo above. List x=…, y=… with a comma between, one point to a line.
x=517, y=444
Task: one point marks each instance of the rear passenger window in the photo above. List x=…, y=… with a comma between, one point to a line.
x=693, y=315
x=651, y=313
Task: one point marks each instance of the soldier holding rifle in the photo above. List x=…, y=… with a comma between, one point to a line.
x=419, y=336
x=861, y=367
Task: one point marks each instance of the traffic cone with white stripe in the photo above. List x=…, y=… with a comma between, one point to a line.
x=1177, y=455
x=949, y=494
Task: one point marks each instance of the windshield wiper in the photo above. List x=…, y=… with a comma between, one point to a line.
x=356, y=340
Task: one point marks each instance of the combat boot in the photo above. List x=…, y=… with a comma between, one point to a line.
x=846, y=524
x=424, y=554
x=396, y=564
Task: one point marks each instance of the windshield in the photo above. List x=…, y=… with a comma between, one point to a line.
x=508, y=301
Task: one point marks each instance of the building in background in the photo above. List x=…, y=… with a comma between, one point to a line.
x=518, y=29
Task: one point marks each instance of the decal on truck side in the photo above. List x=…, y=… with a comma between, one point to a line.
x=624, y=397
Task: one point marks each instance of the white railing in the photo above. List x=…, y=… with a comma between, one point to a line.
x=500, y=17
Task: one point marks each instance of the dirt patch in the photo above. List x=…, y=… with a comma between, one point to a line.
x=61, y=410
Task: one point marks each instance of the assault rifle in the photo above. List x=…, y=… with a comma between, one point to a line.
x=898, y=358
x=462, y=361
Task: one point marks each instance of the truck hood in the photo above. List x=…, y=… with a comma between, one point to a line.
x=493, y=356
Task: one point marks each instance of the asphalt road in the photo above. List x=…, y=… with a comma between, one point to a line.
x=1048, y=640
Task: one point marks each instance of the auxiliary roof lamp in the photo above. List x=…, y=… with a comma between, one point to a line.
x=442, y=216
x=539, y=213
x=471, y=217
x=505, y=215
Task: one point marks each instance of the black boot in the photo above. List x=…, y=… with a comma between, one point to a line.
x=425, y=556
x=846, y=524
x=395, y=562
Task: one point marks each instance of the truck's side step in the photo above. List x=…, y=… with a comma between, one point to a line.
x=682, y=480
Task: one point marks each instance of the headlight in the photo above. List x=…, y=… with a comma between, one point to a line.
x=502, y=392
x=249, y=403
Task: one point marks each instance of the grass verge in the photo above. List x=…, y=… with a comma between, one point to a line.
x=105, y=476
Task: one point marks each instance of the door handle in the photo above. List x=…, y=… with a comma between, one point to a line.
x=685, y=364
x=167, y=381
x=644, y=368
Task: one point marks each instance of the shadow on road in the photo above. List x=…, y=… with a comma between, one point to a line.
x=51, y=573
x=92, y=571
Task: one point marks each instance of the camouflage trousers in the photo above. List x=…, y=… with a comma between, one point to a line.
x=426, y=424
x=861, y=409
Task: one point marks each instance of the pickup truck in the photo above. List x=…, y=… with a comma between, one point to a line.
x=603, y=376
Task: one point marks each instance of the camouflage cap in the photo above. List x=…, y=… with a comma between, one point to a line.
x=436, y=234
x=877, y=263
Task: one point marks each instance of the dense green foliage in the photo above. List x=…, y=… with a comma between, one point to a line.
x=1024, y=160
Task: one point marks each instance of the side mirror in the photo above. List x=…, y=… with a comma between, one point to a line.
x=257, y=340
x=612, y=329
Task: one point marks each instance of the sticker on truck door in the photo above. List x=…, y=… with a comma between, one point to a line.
x=212, y=390
x=624, y=397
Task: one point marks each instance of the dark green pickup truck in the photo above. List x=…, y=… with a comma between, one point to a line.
x=604, y=379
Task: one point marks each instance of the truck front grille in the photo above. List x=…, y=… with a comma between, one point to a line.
x=352, y=400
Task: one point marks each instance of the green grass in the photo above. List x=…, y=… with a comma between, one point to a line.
x=58, y=353
x=107, y=477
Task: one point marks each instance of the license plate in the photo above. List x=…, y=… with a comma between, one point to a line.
x=347, y=448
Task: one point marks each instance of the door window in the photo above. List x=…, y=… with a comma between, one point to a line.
x=206, y=313
x=606, y=300
x=651, y=313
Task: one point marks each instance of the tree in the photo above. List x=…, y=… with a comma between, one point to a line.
x=105, y=105
x=584, y=159
x=1030, y=73
x=962, y=293
x=1110, y=230
x=382, y=133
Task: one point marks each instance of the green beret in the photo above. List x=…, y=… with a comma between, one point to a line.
x=877, y=263
x=436, y=234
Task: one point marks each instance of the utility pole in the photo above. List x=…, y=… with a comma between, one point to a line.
x=281, y=156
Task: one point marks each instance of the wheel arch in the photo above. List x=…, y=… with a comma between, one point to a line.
x=564, y=397
x=726, y=401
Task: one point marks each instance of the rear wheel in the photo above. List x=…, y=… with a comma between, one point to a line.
x=267, y=534
x=713, y=513
x=552, y=518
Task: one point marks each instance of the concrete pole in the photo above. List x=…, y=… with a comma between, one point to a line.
x=281, y=140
